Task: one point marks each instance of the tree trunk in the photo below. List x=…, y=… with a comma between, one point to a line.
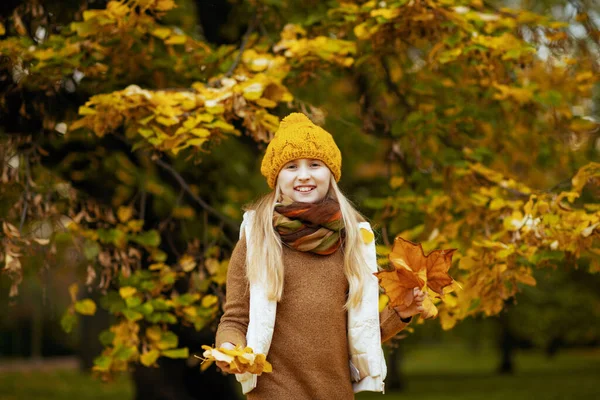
x=507, y=345
x=394, y=380
x=89, y=343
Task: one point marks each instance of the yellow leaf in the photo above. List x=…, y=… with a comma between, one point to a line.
x=190, y=311
x=154, y=333
x=383, y=301
x=239, y=359
x=167, y=121
x=2, y=29
x=177, y=39
x=526, y=278
x=266, y=103
x=200, y=132
x=127, y=291
x=386, y=13
x=196, y=142
x=124, y=213
x=149, y=358
x=73, y=289
x=367, y=236
x=186, y=212
x=165, y=5
x=187, y=263
x=497, y=204
x=209, y=300
x=396, y=182
x=161, y=33
x=85, y=307
x=362, y=31
x=429, y=309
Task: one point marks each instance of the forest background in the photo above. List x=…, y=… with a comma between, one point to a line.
x=131, y=136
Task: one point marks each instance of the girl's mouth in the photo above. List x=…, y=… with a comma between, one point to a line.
x=305, y=189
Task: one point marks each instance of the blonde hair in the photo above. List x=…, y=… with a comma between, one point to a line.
x=265, y=261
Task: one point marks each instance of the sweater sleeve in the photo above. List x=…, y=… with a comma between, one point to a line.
x=390, y=324
x=234, y=322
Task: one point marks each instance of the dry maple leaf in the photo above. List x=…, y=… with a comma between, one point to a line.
x=412, y=268
x=240, y=359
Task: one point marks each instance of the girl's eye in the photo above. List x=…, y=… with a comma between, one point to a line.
x=316, y=164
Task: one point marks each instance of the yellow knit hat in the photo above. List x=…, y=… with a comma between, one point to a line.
x=297, y=137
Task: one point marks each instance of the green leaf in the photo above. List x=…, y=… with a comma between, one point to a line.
x=106, y=337
x=132, y=315
x=149, y=358
x=68, y=321
x=167, y=341
x=85, y=307
x=123, y=353
x=146, y=309
x=176, y=353
x=133, y=301
x=102, y=363
x=474, y=304
x=168, y=278
x=111, y=236
x=374, y=203
x=148, y=238
x=168, y=318
x=112, y=302
x=83, y=29
x=160, y=304
x=158, y=255
x=91, y=249
x=186, y=299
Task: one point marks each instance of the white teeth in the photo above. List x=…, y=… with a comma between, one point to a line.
x=303, y=189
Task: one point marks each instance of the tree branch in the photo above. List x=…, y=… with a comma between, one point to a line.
x=233, y=225
x=25, y=194
x=251, y=28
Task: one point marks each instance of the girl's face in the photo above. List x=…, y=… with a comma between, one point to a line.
x=305, y=180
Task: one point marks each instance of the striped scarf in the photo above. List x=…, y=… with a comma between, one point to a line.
x=315, y=227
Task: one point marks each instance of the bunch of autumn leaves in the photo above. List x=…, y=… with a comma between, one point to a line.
x=240, y=359
x=410, y=268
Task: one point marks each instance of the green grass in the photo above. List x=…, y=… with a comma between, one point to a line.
x=432, y=373
x=61, y=385
x=458, y=374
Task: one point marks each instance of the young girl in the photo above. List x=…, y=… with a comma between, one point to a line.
x=300, y=284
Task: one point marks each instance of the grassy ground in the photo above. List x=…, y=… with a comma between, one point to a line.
x=430, y=373
x=62, y=384
x=459, y=374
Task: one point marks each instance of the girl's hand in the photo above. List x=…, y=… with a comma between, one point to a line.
x=416, y=306
x=223, y=366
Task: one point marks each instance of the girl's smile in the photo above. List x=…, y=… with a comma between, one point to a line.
x=304, y=180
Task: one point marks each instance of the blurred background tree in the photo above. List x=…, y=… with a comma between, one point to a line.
x=132, y=134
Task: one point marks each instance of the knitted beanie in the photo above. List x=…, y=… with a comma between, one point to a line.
x=297, y=137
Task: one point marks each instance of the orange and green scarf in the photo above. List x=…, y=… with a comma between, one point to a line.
x=315, y=227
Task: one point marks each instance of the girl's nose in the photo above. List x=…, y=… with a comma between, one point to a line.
x=303, y=173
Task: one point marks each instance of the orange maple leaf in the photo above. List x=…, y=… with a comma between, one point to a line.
x=412, y=268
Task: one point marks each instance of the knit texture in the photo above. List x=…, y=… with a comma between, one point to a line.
x=316, y=227
x=298, y=137
x=309, y=351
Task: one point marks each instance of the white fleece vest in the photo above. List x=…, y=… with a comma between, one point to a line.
x=366, y=359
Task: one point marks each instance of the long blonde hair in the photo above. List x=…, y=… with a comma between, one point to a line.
x=265, y=261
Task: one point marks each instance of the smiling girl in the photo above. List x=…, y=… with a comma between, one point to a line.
x=300, y=283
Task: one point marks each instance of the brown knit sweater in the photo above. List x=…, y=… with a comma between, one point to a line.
x=309, y=349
